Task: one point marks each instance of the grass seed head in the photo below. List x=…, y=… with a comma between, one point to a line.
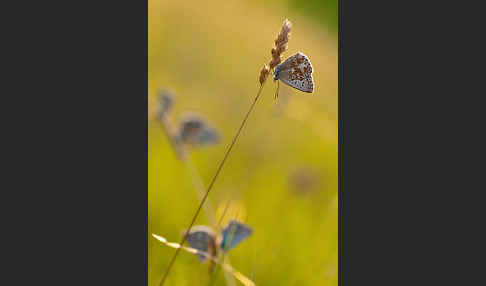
x=280, y=47
x=264, y=74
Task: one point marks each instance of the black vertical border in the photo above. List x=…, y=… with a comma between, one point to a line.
x=77, y=200
x=394, y=83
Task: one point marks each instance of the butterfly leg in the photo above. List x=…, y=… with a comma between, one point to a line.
x=276, y=92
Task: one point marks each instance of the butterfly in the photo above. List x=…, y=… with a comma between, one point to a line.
x=296, y=71
x=242, y=278
x=204, y=239
x=194, y=130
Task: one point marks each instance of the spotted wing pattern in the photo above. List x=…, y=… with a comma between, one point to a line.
x=233, y=234
x=296, y=72
x=201, y=238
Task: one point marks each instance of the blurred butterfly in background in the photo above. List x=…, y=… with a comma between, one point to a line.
x=204, y=239
x=206, y=245
x=233, y=234
x=296, y=71
x=165, y=103
x=194, y=130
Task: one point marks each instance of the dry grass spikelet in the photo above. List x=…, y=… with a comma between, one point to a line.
x=283, y=36
x=275, y=62
x=280, y=44
x=264, y=74
x=280, y=47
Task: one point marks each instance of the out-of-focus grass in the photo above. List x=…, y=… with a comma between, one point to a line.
x=322, y=11
x=210, y=54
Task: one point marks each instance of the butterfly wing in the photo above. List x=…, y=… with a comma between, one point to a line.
x=194, y=130
x=233, y=234
x=190, y=129
x=208, y=136
x=202, y=239
x=296, y=72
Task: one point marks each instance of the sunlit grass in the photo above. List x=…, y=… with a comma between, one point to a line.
x=210, y=54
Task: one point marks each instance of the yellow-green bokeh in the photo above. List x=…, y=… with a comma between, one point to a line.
x=210, y=54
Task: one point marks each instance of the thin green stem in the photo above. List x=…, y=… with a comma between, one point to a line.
x=171, y=263
x=166, y=125
x=224, y=213
x=199, y=188
x=210, y=214
x=185, y=156
x=224, y=258
x=216, y=272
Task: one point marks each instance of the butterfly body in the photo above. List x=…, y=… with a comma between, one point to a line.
x=296, y=71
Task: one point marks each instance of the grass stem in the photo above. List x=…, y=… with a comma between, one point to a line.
x=184, y=155
x=171, y=263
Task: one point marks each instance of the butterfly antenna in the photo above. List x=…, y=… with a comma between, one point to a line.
x=276, y=92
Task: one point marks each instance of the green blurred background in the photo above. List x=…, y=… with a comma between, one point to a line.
x=282, y=175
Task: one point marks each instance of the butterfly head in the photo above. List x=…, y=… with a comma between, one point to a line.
x=275, y=73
